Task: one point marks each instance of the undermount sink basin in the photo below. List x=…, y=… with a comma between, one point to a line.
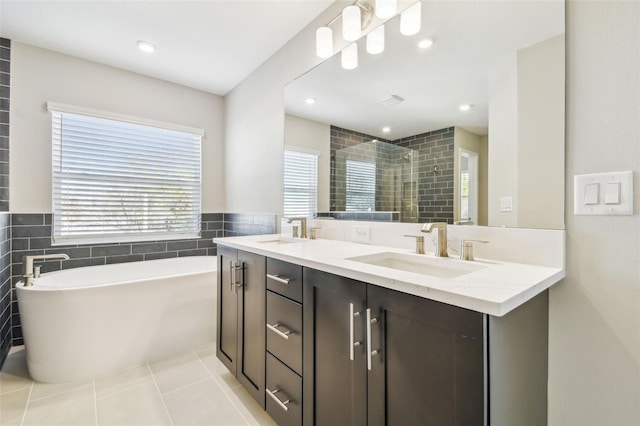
x=284, y=240
x=441, y=267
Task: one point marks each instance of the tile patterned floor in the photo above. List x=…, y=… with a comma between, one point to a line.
x=193, y=388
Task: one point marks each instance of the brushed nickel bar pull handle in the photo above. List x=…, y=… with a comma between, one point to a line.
x=283, y=280
x=352, y=344
x=232, y=277
x=370, y=353
x=282, y=404
x=274, y=328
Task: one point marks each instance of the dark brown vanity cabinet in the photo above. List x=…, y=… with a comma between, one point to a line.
x=241, y=318
x=374, y=356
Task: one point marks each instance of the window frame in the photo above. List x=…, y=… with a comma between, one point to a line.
x=135, y=236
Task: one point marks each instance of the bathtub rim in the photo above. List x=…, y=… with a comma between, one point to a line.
x=35, y=287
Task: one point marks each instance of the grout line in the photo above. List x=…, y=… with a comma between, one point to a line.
x=61, y=392
x=166, y=409
x=184, y=386
x=26, y=407
x=95, y=401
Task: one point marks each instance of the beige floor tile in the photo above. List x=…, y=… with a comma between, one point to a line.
x=182, y=370
x=203, y=403
x=75, y=407
x=122, y=380
x=45, y=390
x=12, y=406
x=249, y=408
x=14, y=375
x=223, y=376
x=138, y=406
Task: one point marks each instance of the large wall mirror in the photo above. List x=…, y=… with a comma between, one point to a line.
x=469, y=130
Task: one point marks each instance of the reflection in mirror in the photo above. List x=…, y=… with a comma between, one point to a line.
x=497, y=161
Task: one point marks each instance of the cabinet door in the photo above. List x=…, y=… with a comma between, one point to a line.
x=334, y=385
x=227, y=327
x=429, y=369
x=252, y=324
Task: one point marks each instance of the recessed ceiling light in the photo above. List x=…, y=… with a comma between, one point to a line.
x=145, y=46
x=465, y=107
x=386, y=129
x=425, y=43
x=310, y=101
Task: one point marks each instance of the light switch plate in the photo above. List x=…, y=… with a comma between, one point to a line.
x=607, y=183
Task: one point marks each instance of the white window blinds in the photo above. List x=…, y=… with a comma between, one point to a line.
x=300, y=183
x=360, y=186
x=119, y=181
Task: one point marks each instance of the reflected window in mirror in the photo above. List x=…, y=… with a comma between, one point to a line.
x=300, y=183
x=361, y=186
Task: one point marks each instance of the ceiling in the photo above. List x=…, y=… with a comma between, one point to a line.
x=472, y=38
x=211, y=45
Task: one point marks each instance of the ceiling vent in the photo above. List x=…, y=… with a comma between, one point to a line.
x=390, y=101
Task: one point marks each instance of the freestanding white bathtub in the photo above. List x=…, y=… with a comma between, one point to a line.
x=84, y=322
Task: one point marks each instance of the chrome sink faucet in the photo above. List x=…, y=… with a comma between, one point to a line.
x=303, y=225
x=27, y=265
x=441, y=227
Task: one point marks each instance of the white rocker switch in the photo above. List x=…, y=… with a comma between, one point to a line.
x=591, y=193
x=612, y=193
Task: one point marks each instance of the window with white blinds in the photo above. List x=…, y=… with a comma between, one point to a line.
x=122, y=181
x=300, y=183
x=360, y=186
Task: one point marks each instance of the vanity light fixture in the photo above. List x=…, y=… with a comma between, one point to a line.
x=351, y=23
x=425, y=43
x=145, y=46
x=465, y=107
x=375, y=41
x=386, y=8
x=324, y=42
x=410, y=20
x=310, y=101
x=386, y=129
x=349, y=58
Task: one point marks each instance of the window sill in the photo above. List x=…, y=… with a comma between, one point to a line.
x=123, y=240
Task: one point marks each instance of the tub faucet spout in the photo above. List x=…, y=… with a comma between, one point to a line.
x=27, y=265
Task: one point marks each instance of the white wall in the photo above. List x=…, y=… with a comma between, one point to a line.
x=541, y=80
x=39, y=75
x=314, y=136
x=594, y=351
x=503, y=136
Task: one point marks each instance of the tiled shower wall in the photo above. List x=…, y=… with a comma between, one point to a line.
x=435, y=173
x=5, y=217
x=434, y=165
x=31, y=235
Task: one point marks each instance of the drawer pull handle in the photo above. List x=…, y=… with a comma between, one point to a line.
x=274, y=328
x=283, y=280
x=282, y=404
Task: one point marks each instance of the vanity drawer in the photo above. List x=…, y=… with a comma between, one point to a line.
x=284, y=330
x=283, y=393
x=285, y=278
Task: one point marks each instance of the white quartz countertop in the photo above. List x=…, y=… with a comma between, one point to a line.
x=491, y=287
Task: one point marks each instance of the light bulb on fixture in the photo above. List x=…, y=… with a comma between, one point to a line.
x=349, y=57
x=410, y=20
x=310, y=101
x=386, y=8
x=351, y=23
x=465, y=107
x=375, y=41
x=386, y=129
x=426, y=43
x=145, y=46
x=324, y=42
